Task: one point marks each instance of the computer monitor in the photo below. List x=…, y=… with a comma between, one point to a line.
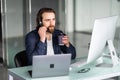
x=102, y=38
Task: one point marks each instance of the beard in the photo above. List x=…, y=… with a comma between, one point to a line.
x=50, y=29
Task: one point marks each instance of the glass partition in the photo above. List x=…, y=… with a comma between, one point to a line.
x=12, y=29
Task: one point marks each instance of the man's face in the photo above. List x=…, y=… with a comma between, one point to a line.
x=48, y=20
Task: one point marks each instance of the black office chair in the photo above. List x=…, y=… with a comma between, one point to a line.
x=20, y=59
x=1, y=61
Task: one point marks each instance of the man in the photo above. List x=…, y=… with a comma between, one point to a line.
x=44, y=40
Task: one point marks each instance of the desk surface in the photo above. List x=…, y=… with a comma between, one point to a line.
x=23, y=74
x=94, y=73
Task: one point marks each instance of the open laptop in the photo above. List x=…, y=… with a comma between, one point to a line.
x=53, y=65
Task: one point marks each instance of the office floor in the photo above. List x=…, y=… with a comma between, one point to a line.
x=79, y=40
x=3, y=73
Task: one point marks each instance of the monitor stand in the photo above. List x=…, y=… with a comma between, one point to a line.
x=113, y=56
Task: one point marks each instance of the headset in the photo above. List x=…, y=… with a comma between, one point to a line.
x=39, y=23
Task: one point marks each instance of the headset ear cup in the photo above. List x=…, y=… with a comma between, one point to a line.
x=40, y=23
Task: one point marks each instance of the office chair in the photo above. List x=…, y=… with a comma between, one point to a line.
x=20, y=59
x=1, y=61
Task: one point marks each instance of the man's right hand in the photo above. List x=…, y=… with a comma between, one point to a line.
x=42, y=33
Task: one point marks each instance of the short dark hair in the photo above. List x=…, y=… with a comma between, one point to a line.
x=40, y=12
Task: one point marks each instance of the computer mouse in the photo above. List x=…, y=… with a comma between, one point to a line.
x=84, y=70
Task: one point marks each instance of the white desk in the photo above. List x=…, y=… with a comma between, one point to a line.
x=95, y=73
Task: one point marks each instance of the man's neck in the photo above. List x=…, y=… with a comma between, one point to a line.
x=48, y=36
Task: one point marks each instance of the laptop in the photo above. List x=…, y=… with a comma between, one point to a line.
x=52, y=65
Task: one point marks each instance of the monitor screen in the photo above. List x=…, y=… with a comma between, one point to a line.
x=103, y=30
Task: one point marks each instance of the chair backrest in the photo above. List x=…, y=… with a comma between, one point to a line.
x=20, y=59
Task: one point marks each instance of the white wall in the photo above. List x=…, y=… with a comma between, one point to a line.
x=88, y=10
